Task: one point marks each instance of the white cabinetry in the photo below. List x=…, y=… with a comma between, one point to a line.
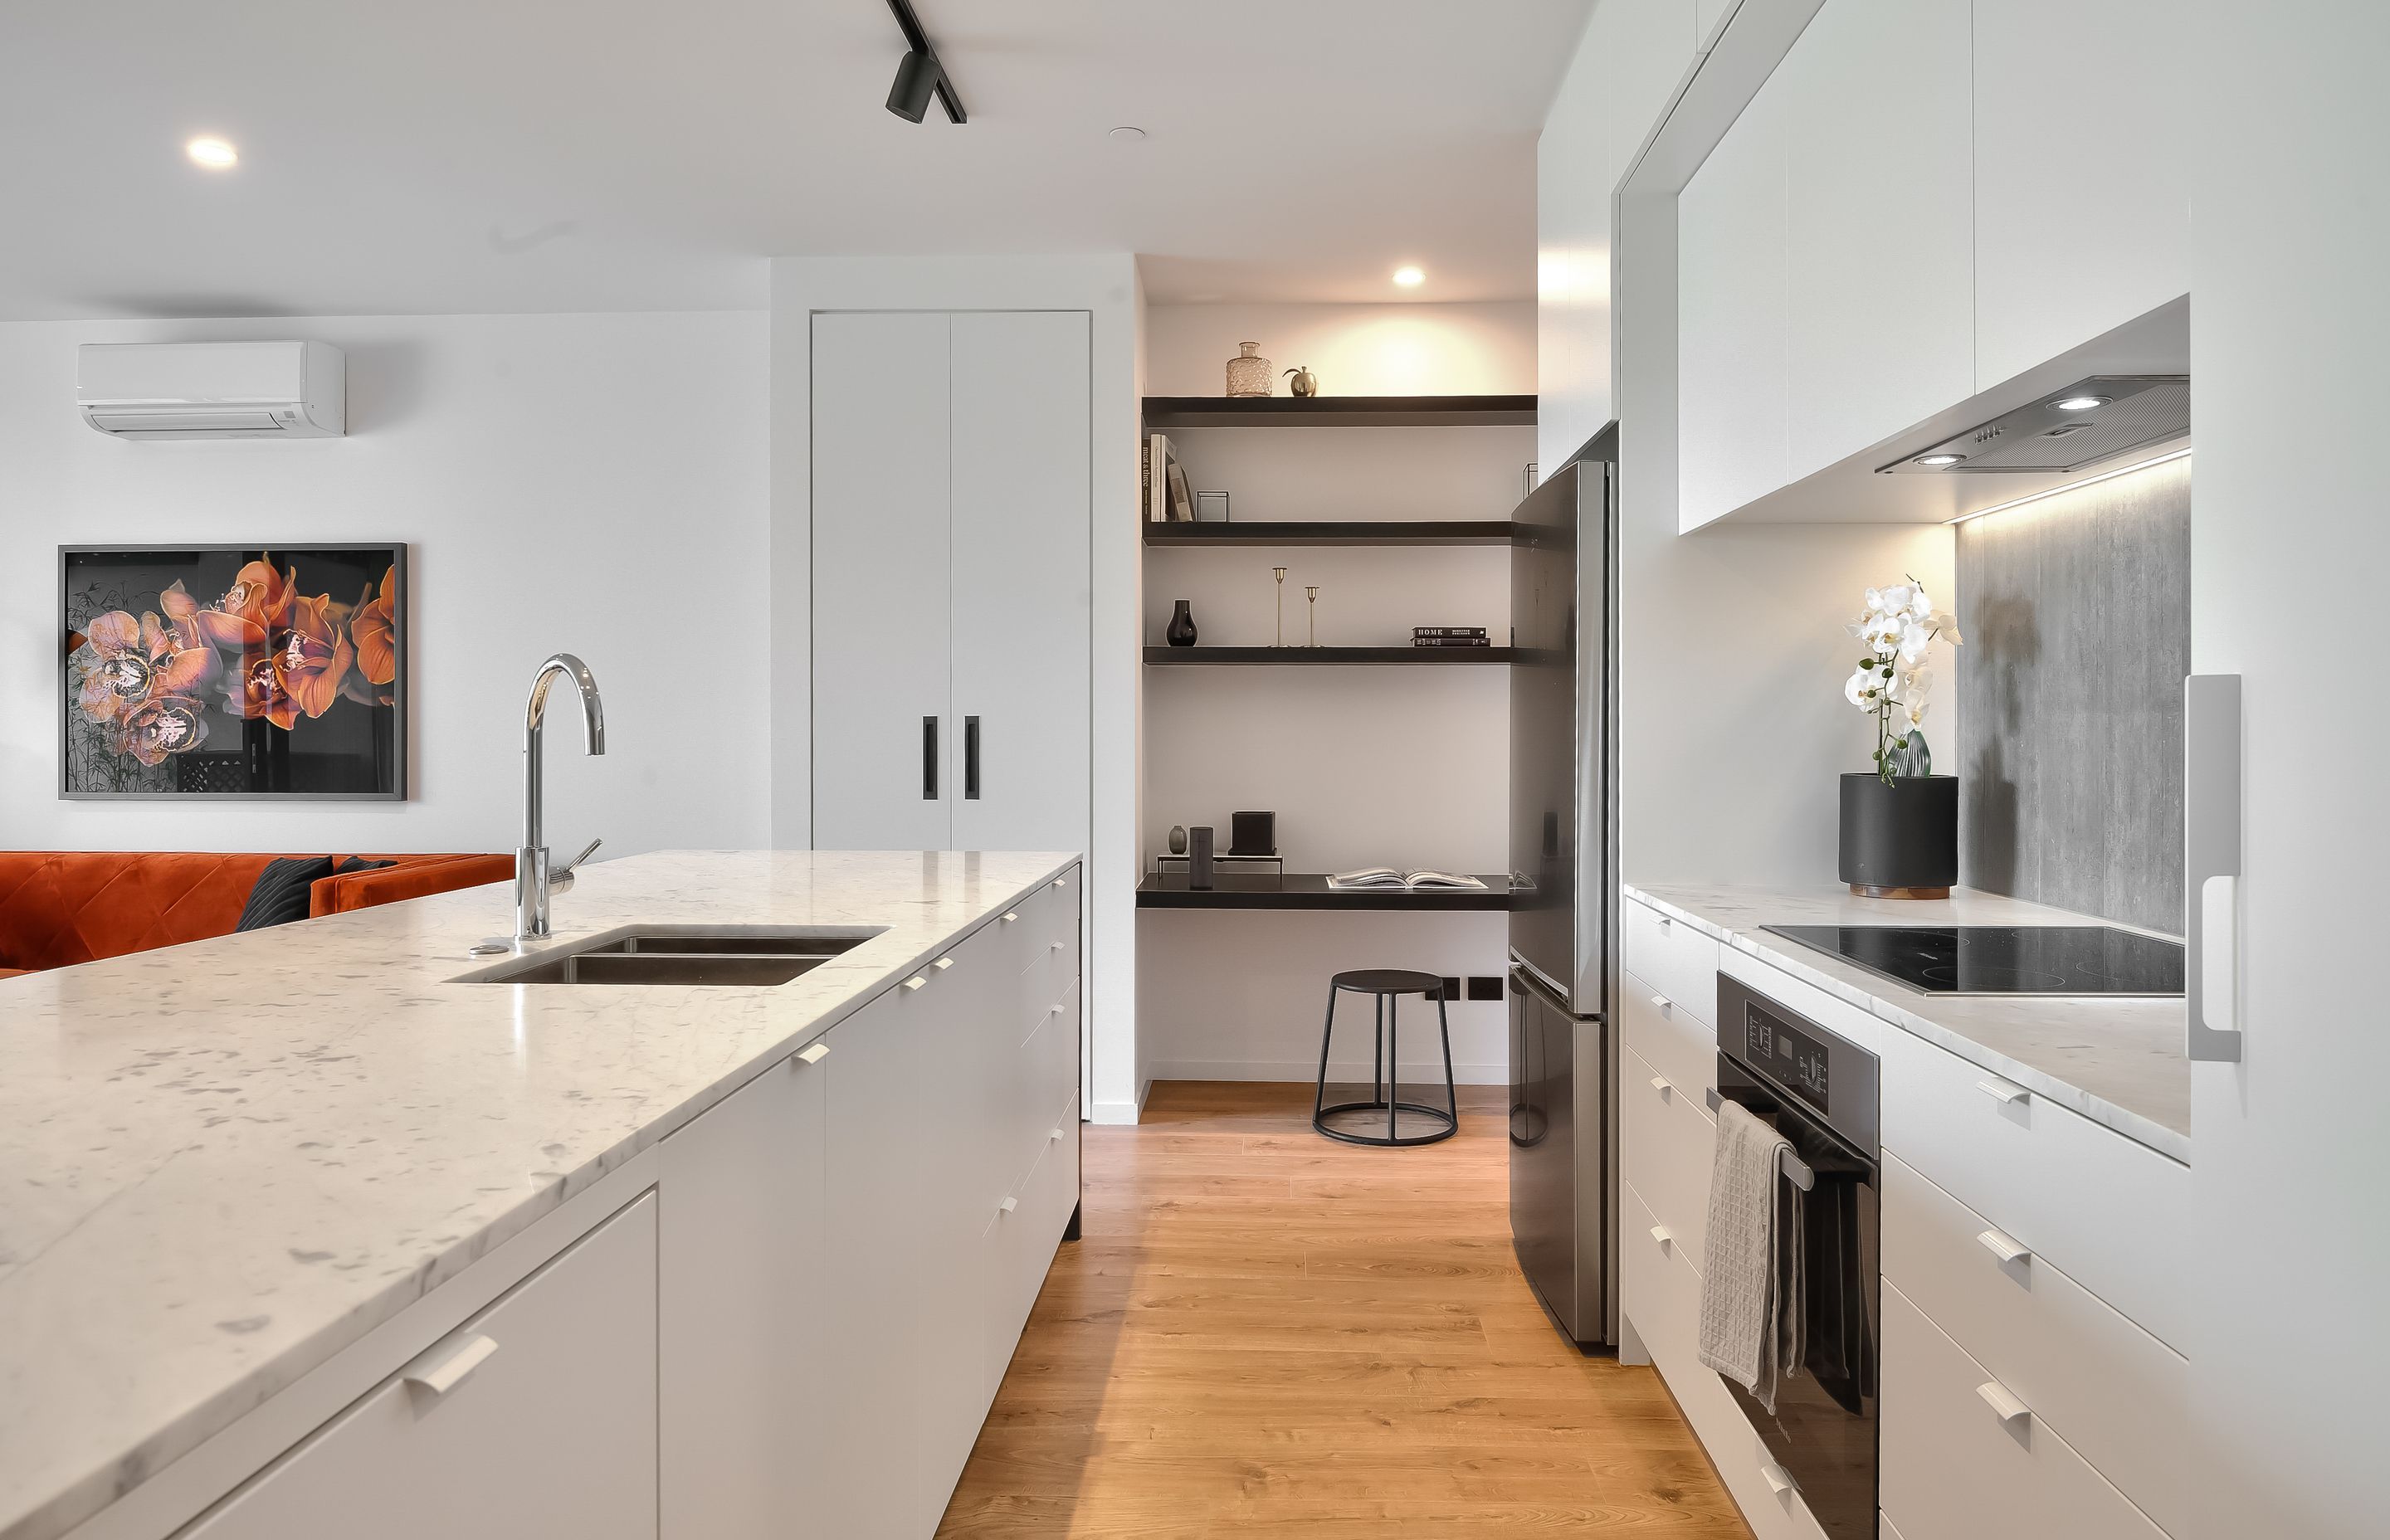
x=1878, y=246
x=536, y=1416
x=1731, y=318
x=950, y=579
x=2070, y=244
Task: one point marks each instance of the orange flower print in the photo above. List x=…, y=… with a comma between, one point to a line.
x=135, y=660
x=374, y=631
x=311, y=654
x=258, y=603
x=161, y=726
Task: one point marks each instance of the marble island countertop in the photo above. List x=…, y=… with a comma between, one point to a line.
x=2117, y=1061
x=221, y=1164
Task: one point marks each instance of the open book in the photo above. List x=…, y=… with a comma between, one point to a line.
x=1387, y=876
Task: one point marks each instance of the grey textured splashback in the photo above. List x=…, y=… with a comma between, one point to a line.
x=2076, y=612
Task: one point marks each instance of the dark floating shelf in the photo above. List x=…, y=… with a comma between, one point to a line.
x=1445, y=532
x=1310, y=890
x=1177, y=412
x=1318, y=656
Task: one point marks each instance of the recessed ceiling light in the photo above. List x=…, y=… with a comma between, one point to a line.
x=1939, y=459
x=2079, y=404
x=1410, y=277
x=1127, y=133
x=213, y=154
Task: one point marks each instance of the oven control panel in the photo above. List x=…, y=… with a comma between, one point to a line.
x=1809, y=1065
x=1791, y=1057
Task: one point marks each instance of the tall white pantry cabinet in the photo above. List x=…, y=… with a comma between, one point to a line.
x=951, y=591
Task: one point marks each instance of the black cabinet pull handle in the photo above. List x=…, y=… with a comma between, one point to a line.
x=970, y=758
x=929, y=759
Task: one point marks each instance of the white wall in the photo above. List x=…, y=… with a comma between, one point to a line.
x=2290, y=326
x=593, y=483
x=1632, y=56
x=1362, y=766
x=1106, y=286
x=1390, y=350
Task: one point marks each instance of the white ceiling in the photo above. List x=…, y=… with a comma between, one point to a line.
x=559, y=155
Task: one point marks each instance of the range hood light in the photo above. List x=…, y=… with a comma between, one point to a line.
x=2079, y=404
x=1939, y=459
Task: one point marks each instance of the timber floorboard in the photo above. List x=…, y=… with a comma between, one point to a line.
x=1266, y=1333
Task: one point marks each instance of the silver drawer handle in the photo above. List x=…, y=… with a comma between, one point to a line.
x=2004, y=1245
x=1711, y=1098
x=1780, y=1481
x=942, y=964
x=915, y=982
x=450, y=1372
x=812, y=1053
x=1011, y=917
x=1666, y=922
x=1010, y=1204
x=1061, y=883
x=2006, y=1407
x=1659, y=1083
x=2008, y=1093
x=1055, y=1133
x=1660, y=1233
x=1665, y=1003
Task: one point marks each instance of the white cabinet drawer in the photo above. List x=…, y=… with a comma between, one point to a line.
x=537, y=1416
x=1675, y=959
x=1670, y=1145
x=1023, y=1241
x=1671, y=1038
x=1955, y=1468
x=1663, y=1299
x=2113, y=1391
x=2114, y=1216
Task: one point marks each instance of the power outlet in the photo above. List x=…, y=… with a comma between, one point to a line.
x=1485, y=986
x=1452, y=989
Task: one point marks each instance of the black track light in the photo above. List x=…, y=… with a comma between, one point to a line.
x=919, y=76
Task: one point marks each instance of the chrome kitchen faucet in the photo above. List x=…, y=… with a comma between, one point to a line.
x=533, y=880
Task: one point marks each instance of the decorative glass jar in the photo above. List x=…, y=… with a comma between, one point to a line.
x=1249, y=372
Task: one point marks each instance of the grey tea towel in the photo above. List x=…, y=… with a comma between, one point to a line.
x=1751, y=1288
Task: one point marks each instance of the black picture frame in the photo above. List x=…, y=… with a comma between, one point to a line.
x=355, y=747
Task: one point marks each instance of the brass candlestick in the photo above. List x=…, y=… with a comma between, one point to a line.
x=1281, y=604
x=1311, y=597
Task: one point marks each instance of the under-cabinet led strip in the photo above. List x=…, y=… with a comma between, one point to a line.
x=2183, y=453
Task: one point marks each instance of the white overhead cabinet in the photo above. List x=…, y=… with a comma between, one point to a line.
x=2082, y=172
x=950, y=579
x=1925, y=199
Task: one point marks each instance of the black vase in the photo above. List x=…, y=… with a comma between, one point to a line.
x=1901, y=839
x=1182, y=627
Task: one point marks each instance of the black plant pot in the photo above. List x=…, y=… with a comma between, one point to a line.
x=1901, y=840
x=1182, y=627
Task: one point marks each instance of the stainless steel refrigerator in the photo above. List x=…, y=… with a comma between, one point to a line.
x=1564, y=875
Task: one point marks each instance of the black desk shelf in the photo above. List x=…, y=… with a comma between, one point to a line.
x=1318, y=656
x=1442, y=531
x=1174, y=413
x=1310, y=890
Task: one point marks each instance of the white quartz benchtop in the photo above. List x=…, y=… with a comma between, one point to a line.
x=2119, y=1063
x=221, y=1164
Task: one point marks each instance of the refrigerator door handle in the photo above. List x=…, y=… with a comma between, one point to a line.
x=2212, y=804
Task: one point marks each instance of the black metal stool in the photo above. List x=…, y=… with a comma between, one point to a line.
x=1386, y=986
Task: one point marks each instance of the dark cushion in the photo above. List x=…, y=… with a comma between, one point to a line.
x=359, y=863
x=282, y=892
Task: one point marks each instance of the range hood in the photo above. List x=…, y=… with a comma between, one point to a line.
x=2096, y=418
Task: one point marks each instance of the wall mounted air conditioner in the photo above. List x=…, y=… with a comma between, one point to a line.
x=212, y=390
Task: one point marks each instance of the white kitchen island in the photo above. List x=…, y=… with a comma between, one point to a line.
x=300, y=1235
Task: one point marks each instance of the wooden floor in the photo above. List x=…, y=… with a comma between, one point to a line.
x=1267, y=1333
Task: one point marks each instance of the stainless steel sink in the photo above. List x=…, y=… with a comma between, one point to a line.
x=747, y=955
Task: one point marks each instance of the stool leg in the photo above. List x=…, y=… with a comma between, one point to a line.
x=1377, y=1047
x=1451, y=1086
x=1326, y=1032
x=1394, y=1062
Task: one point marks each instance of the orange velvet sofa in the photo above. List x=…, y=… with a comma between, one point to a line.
x=61, y=908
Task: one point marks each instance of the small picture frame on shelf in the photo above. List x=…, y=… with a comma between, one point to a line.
x=1211, y=507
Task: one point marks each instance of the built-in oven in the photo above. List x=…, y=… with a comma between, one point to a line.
x=1818, y=1089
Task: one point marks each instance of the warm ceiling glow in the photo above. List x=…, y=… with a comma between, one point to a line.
x=1410, y=277
x=214, y=154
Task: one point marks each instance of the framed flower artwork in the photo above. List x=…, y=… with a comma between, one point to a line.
x=233, y=670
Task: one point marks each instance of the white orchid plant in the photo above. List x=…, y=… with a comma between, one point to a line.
x=1891, y=682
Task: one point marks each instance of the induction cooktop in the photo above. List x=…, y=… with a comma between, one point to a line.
x=2003, y=960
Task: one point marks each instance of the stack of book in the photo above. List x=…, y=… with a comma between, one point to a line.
x=1448, y=635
